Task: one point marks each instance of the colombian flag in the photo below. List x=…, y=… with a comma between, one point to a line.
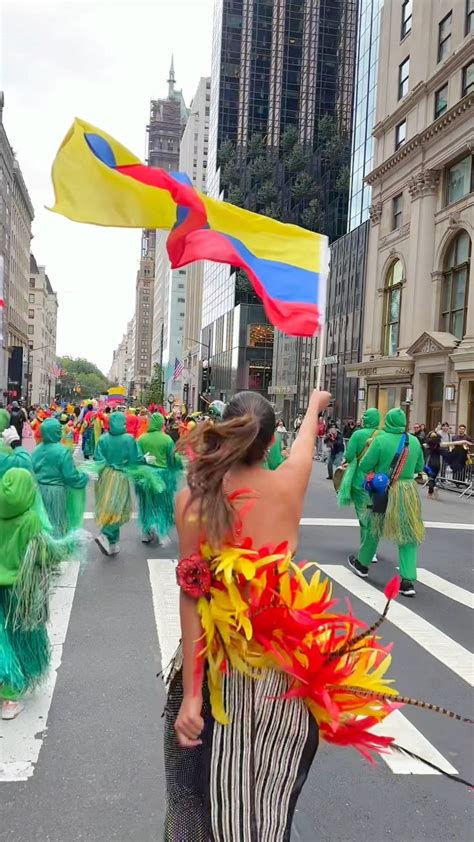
x=98, y=181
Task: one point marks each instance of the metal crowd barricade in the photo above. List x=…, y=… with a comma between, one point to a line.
x=461, y=482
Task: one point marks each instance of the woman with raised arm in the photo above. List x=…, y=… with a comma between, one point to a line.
x=266, y=667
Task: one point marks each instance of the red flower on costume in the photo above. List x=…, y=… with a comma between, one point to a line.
x=194, y=576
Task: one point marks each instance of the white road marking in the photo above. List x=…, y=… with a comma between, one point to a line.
x=344, y=521
x=405, y=734
x=166, y=607
x=437, y=643
x=445, y=588
x=347, y=521
x=21, y=739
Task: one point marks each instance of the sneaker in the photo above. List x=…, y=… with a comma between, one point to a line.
x=114, y=549
x=11, y=709
x=146, y=538
x=406, y=588
x=374, y=558
x=357, y=567
x=103, y=543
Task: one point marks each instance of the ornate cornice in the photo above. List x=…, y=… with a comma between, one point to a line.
x=423, y=183
x=422, y=138
x=375, y=213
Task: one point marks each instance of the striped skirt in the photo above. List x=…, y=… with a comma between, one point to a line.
x=243, y=783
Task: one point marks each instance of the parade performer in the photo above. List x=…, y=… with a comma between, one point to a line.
x=12, y=454
x=116, y=453
x=142, y=423
x=351, y=489
x=132, y=422
x=87, y=431
x=61, y=484
x=67, y=434
x=28, y=556
x=397, y=455
x=156, y=503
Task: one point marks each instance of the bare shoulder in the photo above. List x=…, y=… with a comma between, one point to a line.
x=182, y=501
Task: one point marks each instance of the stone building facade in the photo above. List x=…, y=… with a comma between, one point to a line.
x=418, y=342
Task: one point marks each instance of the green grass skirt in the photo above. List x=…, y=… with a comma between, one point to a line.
x=402, y=523
x=64, y=507
x=25, y=655
x=113, y=499
x=155, y=489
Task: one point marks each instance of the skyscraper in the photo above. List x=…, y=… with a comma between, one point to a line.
x=368, y=39
x=279, y=143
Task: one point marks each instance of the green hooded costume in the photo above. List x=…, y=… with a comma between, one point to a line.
x=28, y=555
x=116, y=453
x=11, y=457
x=155, y=485
x=61, y=485
x=351, y=490
x=402, y=522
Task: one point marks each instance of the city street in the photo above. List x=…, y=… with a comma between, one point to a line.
x=84, y=761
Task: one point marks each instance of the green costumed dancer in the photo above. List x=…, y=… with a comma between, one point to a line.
x=12, y=454
x=402, y=521
x=28, y=556
x=116, y=453
x=62, y=486
x=351, y=490
x=275, y=456
x=156, y=483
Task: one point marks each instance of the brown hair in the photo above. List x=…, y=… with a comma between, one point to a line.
x=243, y=436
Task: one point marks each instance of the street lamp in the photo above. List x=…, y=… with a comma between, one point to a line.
x=208, y=350
x=29, y=386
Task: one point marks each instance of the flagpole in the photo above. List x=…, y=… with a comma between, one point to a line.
x=322, y=300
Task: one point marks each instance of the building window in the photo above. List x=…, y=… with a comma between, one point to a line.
x=441, y=101
x=31, y=314
x=455, y=288
x=468, y=79
x=31, y=329
x=260, y=336
x=31, y=298
x=397, y=210
x=444, y=37
x=32, y=283
x=469, y=16
x=392, y=302
x=181, y=300
x=406, y=16
x=400, y=134
x=459, y=180
x=403, y=77
x=207, y=111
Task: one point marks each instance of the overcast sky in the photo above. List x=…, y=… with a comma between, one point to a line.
x=101, y=60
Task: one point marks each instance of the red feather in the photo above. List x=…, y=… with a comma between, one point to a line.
x=392, y=588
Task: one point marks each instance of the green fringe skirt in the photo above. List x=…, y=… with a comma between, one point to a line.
x=64, y=507
x=113, y=499
x=25, y=655
x=155, y=489
x=402, y=523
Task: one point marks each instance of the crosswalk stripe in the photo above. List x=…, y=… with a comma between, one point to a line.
x=166, y=607
x=21, y=739
x=437, y=643
x=449, y=589
x=345, y=521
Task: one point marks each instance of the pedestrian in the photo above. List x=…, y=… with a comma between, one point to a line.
x=460, y=454
x=335, y=445
x=87, y=431
x=17, y=418
x=349, y=428
x=156, y=484
x=116, y=452
x=28, y=557
x=320, y=450
x=351, y=489
x=62, y=486
x=297, y=423
x=444, y=432
x=237, y=598
x=432, y=461
x=397, y=457
x=282, y=432
x=419, y=432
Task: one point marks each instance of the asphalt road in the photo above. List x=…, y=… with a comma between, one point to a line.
x=84, y=761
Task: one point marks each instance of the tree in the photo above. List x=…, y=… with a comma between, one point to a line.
x=267, y=193
x=81, y=374
x=289, y=138
x=255, y=145
x=343, y=179
x=312, y=217
x=303, y=186
x=226, y=152
x=235, y=196
x=297, y=160
x=230, y=173
x=155, y=391
x=262, y=168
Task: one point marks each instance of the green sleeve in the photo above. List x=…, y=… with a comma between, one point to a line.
x=98, y=453
x=22, y=459
x=352, y=449
x=371, y=458
x=72, y=477
x=134, y=455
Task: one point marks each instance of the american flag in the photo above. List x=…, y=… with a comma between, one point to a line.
x=57, y=371
x=178, y=369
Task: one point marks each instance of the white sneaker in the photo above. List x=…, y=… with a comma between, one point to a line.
x=166, y=541
x=103, y=543
x=374, y=558
x=114, y=549
x=11, y=709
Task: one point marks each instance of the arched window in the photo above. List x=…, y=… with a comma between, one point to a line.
x=455, y=288
x=392, y=304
